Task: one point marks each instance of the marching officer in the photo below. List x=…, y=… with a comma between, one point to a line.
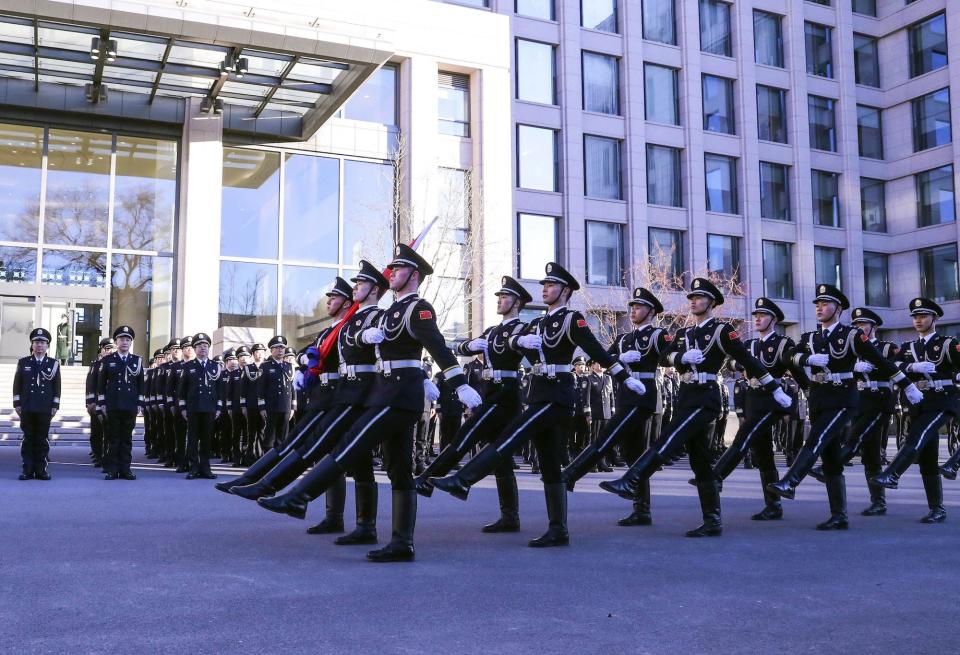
x=36, y=400
x=832, y=352
x=199, y=406
x=392, y=406
x=640, y=350
x=275, y=395
x=96, y=424
x=249, y=391
x=120, y=398
x=549, y=341
x=932, y=362
x=699, y=352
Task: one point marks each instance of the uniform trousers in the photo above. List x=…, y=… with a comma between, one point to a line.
x=35, y=447
x=120, y=426
x=200, y=427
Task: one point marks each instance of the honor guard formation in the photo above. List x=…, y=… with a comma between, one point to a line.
x=362, y=395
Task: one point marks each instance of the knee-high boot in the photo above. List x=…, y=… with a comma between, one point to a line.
x=951, y=466
x=787, y=487
x=256, y=471
x=641, y=506
x=581, y=465
x=628, y=486
x=400, y=548
x=294, y=502
x=284, y=473
x=837, y=495
x=712, y=525
x=773, y=510
x=509, y=520
x=891, y=477
x=336, y=499
x=933, y=486
x=878, y=495
x=556, y=534
x=458, y=484
x=366, y=530
x=443, y=464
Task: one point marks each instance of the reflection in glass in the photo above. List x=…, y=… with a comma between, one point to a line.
x=449, y=298
x=663, y=176
x=666, y=253
x=535, y=9
x=939, y=278
x=376, y=99
x=537, y=241
x=873, y=212
x=536, y=77
x=659, y=23
x=604, y=253
x=869, y=132
x=601, y=167
x=715, y=34
x=368, y=213
x=141, y=296
x=771, y=114
x=601, y=83
x=778, y=269
x=251, y=203
x=828, y=265
x=303, y=309
x=599, y=15
x=74, y=268
x=823, y=123
x=723, y=256
x=819, y=45
x=18, y=265
x=767, y=38
x=311, y=195
x=718, y=113
x=721, y=184
x=774, y=196
x=21, y=157
x=876, y=279
x=661, y=104
x=931, y=120
x=935, y=198
x=248, y=295
x=826, y=198
x=537, y=158
x=78, y=188
x=145, y=194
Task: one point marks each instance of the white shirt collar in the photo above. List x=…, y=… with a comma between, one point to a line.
x=766, y=336
x=927, y=338
x=828, y=330
x=406, y=295
x=702, y=323
x=554, y=311
x=509, y=320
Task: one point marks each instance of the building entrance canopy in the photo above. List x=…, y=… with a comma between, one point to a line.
x=278, y=76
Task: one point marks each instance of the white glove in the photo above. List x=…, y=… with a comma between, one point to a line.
x=630, y=357
x=477, y=344
x=922, y=367
x=913, y=394
x=636, y=386
x=431, y=390
x=863, y=367
x=692, y=356
x=372, y=335
x=782, y=398
x=468, y=396
x=818, y=360
x=298, y=380
x=530, y=341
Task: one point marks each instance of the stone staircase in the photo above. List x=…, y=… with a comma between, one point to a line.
x=70, y=426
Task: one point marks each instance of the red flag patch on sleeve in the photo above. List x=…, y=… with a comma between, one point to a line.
x=581, y=322
x=668, y=338
x=426, y=315
x=864, y=337
x=734, y=335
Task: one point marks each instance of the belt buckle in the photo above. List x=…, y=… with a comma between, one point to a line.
x=861, y=386
x=351, y=372
x=685, y=377
x=551, y=371
x=487, y=374
x=538, y=369
x=385, y=368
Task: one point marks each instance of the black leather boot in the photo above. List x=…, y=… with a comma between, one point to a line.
x=726, y=464
x=628, y=486
x=580, y=466
x=891, y=477
x=443, y=464
x=253, y=474
x=294, y=502
x=786, y=488
x=336, y=498
x=400, y=548
x=509, y=520
x=933, y=486
x=641, y=507
x=712, y=525
x=878, y=496
x=951, y=466
x=837, y=495
x=284, y=473
x=366, y=530
x=772, y=510
x=556, y=534
x=458, y=485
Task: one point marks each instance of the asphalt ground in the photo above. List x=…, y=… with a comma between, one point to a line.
x=166, y=565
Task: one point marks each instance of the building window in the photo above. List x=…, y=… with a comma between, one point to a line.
x=778, y=270
x=819, y=44
x=721, y=183
x=660, y=99
x=537, y=158
x=601, y=83
x=876, y=279
x=869, y=132
x=938, y=273
x=601, y=163
x=376, y=99
x=931, y=120
x=535, y=9
x=828, y=265
x=536, y=72
x=772, y=113
x=368, y=211
x=866, y=60
x=865, y=7
x=599, y=15
x=537, y=244
x=659, y=21
x=935, y=197
x=311, y=196
x=774, y=192
x=604, y=253
x=718, y=105
x=666, y=254
x=767, y=38
x=453, y=93
x=250, y=200
x=826, y=198
x=873, y=205
x=303, y=301
x=715, y=34
x=825, y=3
x=928, y=45
x=248, y=295
x=823, y=123
x=723, y=257
x=663, y=176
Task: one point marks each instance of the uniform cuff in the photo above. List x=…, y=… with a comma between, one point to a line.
x=453, y=371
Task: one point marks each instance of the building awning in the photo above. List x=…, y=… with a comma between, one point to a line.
x=274, y=77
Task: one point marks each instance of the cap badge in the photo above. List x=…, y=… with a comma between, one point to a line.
x=549, y=268
x=696, y=284
x=917, y=302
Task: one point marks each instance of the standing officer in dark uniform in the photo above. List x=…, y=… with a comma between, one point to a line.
x=200, y=406
x=36, y=400
x=120, y=396
x=275, y=395
x=249, y=390
x=699, y=354
x=932, y=362
x=96, y=424
x=832, y=352
x=154, y=404
x=640, y=350
x=231, y=405
x=601, y=409
x=549, y=341
x=760, y=411
x=179, y=422
x=582, y=408
x=392, y=406
x=874, y=411
x=171, y=413
x=500, y=389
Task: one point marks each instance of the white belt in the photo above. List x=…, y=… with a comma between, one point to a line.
x=754, y=383
x=643, y=376
x=697, y=378
x=835, y=378
x=551, y=370
x=385, y=366
x=933, y=385
x=325, y=378
x=351, y=370
x=497, y=374
x=872, y=385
